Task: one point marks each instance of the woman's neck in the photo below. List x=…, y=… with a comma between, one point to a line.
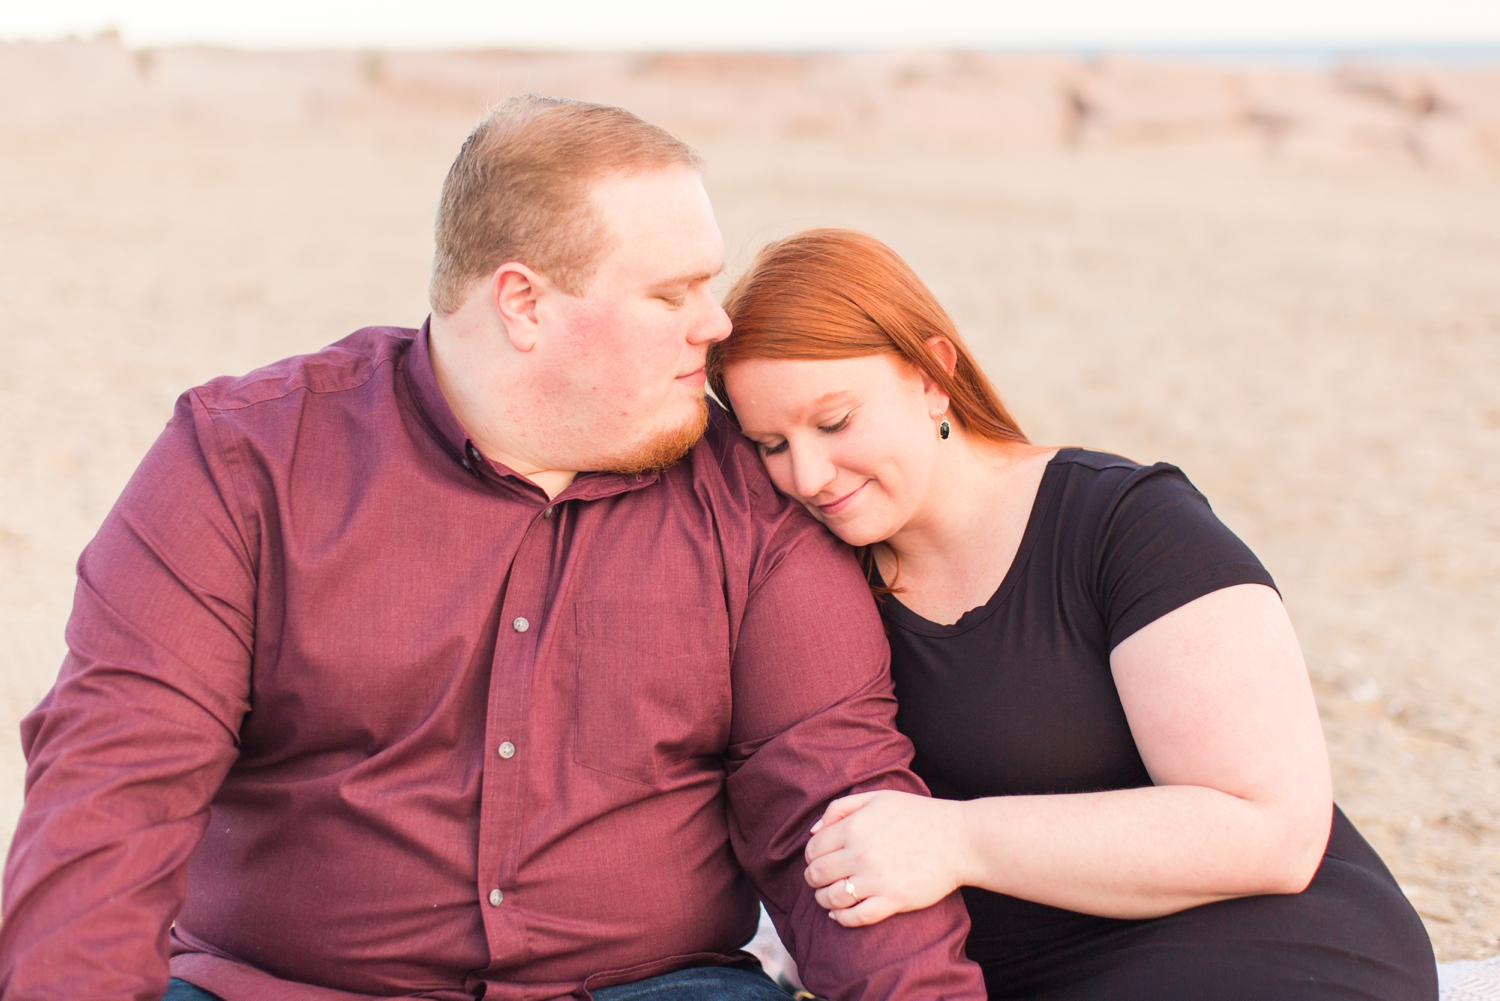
x=955, y=550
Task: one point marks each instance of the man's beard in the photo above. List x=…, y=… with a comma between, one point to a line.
x=664, y=449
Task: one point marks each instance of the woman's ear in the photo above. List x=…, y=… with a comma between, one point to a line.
x=943, y=350
x=947, y=356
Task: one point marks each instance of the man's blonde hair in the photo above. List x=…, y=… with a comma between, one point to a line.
x=519, y=190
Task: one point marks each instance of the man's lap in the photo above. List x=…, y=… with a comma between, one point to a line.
x=708, y=983
x=715, y=983
x=181, y=990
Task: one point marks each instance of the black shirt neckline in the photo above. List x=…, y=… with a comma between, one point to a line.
x=893, y=610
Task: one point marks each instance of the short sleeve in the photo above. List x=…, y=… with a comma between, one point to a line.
x=1161, y=546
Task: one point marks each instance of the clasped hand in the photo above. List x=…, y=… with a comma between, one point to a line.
x=901, y=853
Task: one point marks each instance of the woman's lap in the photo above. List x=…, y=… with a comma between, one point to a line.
x=1351, y=934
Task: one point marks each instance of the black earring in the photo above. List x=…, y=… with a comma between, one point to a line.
x=944, y=430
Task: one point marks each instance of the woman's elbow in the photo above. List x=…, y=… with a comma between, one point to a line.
x=1300, y=848
x=1297, y=873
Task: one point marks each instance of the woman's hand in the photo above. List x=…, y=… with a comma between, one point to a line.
x=901, y=853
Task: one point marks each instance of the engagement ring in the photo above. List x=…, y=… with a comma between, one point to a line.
x=849, y=889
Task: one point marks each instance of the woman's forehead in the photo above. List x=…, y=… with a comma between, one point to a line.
x=799, y=387
x=810, y=373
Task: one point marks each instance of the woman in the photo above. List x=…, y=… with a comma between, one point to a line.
x=1104, y=691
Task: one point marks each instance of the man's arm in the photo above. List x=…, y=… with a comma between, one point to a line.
x=126, y=752
x=814, y=719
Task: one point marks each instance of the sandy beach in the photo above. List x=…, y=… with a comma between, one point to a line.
x=1285, y=281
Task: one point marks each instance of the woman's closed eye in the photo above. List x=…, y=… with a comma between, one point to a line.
x=775, y=449
x=781, y=445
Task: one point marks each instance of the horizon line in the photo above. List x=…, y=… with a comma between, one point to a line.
x=1289, y=52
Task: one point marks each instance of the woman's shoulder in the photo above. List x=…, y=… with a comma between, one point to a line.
x=1112, y=507
x=1145, y=536
x=1106, y=464
x=1100, y=481
x=1088, y=458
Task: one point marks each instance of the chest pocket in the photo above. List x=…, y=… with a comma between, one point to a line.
x=653, y=686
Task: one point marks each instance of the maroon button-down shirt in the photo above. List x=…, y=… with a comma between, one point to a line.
x=381, y=719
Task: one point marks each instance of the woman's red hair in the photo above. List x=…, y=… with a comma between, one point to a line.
x=837, y=293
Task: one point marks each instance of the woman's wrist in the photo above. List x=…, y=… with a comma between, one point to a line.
x=964, y=858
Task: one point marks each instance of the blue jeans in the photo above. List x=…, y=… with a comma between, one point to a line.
x=702, y=983
x=699, y=983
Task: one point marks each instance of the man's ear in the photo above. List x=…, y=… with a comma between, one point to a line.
x=514, y=290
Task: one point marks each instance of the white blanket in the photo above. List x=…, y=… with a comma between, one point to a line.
x=1470, y=980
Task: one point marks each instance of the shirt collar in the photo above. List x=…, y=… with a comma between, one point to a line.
x=421, y=380
x=433, y=406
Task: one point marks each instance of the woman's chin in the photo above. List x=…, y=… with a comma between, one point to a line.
x=855, y=531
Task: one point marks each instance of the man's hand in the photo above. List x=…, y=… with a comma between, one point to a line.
x=896, y=851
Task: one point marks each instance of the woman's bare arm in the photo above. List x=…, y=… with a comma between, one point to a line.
x=1222, y=712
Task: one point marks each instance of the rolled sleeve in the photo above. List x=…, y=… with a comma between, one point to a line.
x=814, y=720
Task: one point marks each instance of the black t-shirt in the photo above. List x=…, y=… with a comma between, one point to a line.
x=1016, y=697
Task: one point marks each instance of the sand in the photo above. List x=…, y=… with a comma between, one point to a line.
x=1285, y=281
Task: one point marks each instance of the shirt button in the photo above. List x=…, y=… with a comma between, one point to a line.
x=507, y=751
x=548, y=512
x=520, y=624
x=495, y=897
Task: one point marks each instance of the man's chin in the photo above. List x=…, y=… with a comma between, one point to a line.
x=663, y=449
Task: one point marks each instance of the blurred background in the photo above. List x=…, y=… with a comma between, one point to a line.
x=1260, y=241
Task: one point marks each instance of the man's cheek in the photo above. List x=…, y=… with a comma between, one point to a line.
x=593, y=360
x=598, y=333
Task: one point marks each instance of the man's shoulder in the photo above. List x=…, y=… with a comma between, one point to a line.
x=755, y=526
x=344, y=365
x=726, y=460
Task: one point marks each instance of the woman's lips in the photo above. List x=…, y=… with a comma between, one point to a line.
x=834, y=507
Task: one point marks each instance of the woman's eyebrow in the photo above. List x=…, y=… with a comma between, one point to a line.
x=835, y=396
x=755, y=433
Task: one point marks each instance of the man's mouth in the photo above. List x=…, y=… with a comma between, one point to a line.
x=694, y=378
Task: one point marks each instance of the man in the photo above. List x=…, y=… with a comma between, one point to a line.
x=462, y=661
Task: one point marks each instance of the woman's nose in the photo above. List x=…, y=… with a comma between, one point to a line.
x=811, y=471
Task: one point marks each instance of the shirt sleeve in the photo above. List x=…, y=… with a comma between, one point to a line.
x=126, y=752
x=1161, y=546
x=814, y=720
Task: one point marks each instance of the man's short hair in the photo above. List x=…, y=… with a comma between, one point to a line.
x=519, y=191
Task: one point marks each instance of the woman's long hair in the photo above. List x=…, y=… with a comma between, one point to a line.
x=837, y=293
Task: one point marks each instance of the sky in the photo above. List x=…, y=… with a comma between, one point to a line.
x=766, y=24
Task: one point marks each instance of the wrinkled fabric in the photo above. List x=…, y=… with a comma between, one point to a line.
x=380, y=719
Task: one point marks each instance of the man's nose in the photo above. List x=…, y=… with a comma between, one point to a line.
x=713, y=326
